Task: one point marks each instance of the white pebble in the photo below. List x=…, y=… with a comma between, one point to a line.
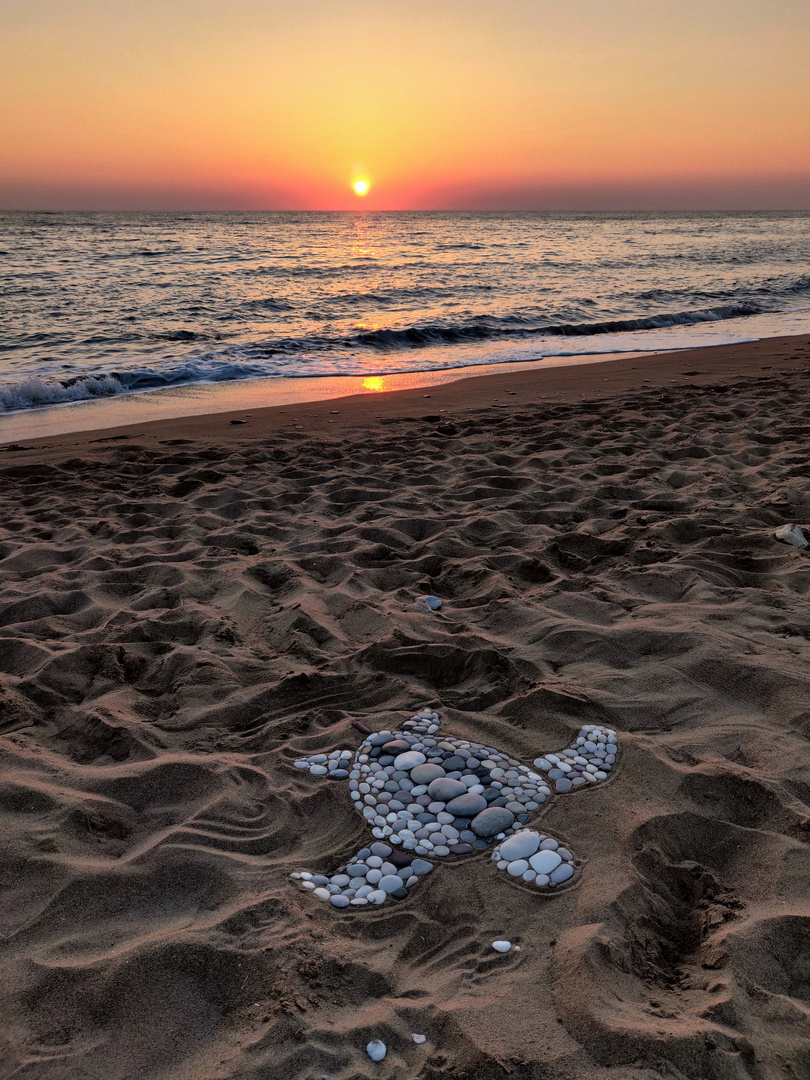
x=376, y=1050
x=419, y=1039
x=502, y=946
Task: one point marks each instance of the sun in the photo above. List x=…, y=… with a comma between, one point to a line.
x=360, y=187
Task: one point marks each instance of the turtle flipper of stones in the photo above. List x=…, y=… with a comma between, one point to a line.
x=375, y=874
x=427, y=796
x=535, y=859
x=588, y=760
x=334, y=766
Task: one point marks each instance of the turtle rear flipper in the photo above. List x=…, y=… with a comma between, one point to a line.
x=590, y=759
x=375, y=874
x=334, y=766
x=537, y=860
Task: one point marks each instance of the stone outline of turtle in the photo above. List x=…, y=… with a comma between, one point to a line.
x=395, y=863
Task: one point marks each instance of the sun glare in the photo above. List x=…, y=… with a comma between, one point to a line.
x=360, y=187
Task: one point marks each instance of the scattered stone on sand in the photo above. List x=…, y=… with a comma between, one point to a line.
x=791, y=534
x=502, y=946
x=376, y=1050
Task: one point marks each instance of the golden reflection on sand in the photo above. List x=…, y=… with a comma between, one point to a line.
x=374, y=382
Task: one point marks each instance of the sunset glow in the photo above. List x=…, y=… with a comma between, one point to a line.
x=360, y=187
x=466, y=104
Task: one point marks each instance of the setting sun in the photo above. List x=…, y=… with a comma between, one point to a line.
x=360, y=187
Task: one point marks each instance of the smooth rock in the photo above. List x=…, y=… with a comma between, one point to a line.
x=419, y=1039
x=520, y=846
x=562, y=873
x=502, y=946
x=545, y=861
x=444, y=789
x=389, y=883
x=424, y=774
x=517, y=868
x=421, y=866
x=468, y=806
x=491, y=821
x=409, y=760
x=339, y=901
x=377, y=1050
x=376, y=897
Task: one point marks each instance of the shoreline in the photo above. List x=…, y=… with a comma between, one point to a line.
x=385, y=398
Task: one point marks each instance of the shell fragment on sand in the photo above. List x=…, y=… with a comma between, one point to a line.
x=427, y=603
x=792, y=534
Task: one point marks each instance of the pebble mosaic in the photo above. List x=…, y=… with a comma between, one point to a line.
x=425, y=796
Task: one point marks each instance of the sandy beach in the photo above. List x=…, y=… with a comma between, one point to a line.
x=189, y=606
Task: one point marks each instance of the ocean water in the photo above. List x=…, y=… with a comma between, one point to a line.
x=101, y=304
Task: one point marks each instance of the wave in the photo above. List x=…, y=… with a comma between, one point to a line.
x=481, y=330
x=383, y=352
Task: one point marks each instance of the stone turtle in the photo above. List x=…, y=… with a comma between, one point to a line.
x=426, y=796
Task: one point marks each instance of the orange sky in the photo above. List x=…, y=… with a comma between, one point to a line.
x=437, y=103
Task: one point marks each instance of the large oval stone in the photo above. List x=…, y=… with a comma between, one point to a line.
x=520, y=846
x=396, y=746
x=491, y=821
x=468, y=805
x=423, y=774
x=409, y=760
x=444, y=789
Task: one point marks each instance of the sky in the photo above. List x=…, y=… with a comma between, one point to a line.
x=437, y=104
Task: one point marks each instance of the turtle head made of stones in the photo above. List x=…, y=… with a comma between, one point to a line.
x=426, y=796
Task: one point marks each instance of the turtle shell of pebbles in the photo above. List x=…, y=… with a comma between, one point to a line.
x=438, y=797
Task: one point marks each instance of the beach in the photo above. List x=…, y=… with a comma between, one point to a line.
x=190, y=605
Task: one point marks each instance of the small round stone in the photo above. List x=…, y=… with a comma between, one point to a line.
x=339, y=901
x=377, y=1050
x=517, y=868
x=502, y=946
x=562, y=873
x=376, y=897
x=545, y=861
x=383, y=850
x=390, y=883
x=421, y=866
x=409, y=760
x=563, y=785
x=322, y=894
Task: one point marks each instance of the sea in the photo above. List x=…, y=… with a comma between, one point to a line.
x=100, y=304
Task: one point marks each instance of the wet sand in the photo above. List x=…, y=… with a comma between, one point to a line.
x=188, y=607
